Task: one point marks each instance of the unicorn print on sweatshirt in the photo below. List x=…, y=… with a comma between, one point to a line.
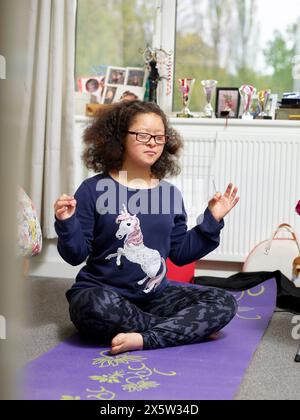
x=135, y=251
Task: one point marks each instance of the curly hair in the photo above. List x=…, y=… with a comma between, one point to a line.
x=104, y=139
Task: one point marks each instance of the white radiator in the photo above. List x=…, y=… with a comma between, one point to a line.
x=264, y=163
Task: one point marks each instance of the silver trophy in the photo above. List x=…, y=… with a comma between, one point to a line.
x=186, y=88
x=247, y=92
x=209, y=87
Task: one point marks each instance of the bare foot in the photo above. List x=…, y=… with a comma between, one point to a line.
x=126, y=342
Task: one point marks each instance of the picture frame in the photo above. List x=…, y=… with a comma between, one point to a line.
x=109, y=95
x=93, y=86
x=130, y=82
x=272, y=107
x=116, y=75
x=136, y=77
x=228, y=102
x=134, y=92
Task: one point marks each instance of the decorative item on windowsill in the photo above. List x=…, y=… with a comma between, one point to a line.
x=228, y=106
x=90, y=91
x=270, y=107
x=228, y=102
x=290, y=107
x=186, y=87
x=263, y=97
x=91, y=110
x=93, y=86
x=247, y=92
x=209, y=87
x=159, y=65
x=296, y=264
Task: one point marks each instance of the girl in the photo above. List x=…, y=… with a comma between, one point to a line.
x=126, y=221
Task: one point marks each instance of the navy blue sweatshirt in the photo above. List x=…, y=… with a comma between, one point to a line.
x=125, y=236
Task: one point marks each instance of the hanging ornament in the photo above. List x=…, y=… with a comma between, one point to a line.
x=159, y=64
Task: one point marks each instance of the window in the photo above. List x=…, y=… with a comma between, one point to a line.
x=236, y=42
x=232, y=41
x=111, y=32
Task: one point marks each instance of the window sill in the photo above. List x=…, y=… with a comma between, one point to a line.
x=217, y=122
x=234, y=122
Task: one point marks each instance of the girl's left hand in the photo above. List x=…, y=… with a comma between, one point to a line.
x=220, y=205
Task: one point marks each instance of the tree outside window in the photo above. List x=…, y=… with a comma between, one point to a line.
x=111, y=32
x=236, y=42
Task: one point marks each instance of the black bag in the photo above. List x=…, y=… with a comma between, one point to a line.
x=288, y=295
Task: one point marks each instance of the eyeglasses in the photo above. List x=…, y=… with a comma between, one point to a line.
x=146, y=137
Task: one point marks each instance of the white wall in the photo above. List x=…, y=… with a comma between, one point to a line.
x=50, y=264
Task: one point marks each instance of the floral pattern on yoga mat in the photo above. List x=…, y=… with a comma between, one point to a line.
x=132, y=379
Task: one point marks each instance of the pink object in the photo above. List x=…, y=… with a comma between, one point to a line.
x=249, y=91
x=29, y=243
x=298, y=208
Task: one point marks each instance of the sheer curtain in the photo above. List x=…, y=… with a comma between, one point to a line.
x=48, y=111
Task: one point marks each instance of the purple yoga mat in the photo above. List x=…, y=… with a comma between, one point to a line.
x=206, y=371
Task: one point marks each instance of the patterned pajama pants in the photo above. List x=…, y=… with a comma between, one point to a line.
x=180, y=315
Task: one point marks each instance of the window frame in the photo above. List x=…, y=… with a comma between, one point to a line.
x=165, y=37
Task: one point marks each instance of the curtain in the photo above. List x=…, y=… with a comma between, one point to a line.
x=13, y=27
x=47, y=142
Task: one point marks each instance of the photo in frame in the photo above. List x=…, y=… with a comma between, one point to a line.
x=93, y=85
x=136, y=76
x=115, y=93
x=228, y=102
x=130, y=92
x=124, y=83
x=109, y=95
x=116, y=75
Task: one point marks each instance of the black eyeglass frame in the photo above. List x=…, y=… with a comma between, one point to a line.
x=150, y=137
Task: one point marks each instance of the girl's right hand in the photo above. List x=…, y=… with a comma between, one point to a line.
x=65, y=207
